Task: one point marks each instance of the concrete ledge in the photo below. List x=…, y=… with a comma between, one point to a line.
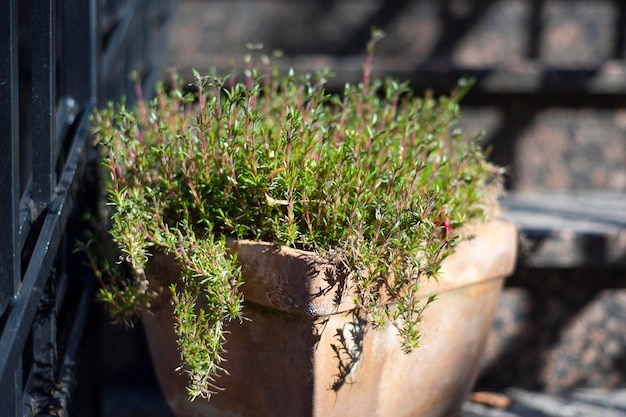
x=569, y=228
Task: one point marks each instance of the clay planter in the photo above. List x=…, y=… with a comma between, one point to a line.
x=306, y=352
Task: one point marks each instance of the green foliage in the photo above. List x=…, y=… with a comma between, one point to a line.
x=375, y=177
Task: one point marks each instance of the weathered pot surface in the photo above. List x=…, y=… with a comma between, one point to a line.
x=306, y=352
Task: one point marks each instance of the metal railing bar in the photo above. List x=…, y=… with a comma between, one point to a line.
x=26, y=216
x=10, y=268
x=116, y=41
x=43, y=51
x=164, y=16
x=62, y=287
x=80, y=49
x=41, y=377
x=63, y=389
x=25, y=304
x=9, y=154
x=67, y=111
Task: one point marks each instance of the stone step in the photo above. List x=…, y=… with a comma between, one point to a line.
x=583, y=403
x=569, y=228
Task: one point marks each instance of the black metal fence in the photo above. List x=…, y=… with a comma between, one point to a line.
x=58, y=60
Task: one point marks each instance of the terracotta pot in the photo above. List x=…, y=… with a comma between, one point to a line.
x=306, y=352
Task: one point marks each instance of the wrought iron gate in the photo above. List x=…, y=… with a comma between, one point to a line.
x=58, y=60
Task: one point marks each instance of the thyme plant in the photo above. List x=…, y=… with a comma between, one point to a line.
x=374, y=177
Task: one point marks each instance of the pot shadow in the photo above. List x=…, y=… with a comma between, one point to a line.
x=348, y=346
x=336, y=277
x=348, y=349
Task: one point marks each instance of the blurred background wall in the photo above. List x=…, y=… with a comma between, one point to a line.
x=551, y=89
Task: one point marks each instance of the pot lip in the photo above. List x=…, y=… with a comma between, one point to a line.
x=295, y=281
